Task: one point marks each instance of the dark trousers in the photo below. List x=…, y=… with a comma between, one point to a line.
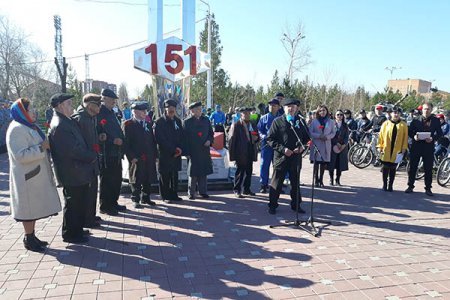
x=388, y=170
x=276, y=185
x=75, y=200
x=110, y=183
x=91, y=203
x=426, y=152
x=140, y=192
x=168, y=185
x=244, y=170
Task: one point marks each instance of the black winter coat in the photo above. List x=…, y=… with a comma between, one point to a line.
x=281, y=136
x=109, y=124
x=196, y=133
x=73, y=160
x=88, y=126
x=422, y=124
x=242, y=148
x=169, y=136
x=140, y=143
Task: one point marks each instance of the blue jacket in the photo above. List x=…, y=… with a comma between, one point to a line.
x=264, y=125
x=217, y=117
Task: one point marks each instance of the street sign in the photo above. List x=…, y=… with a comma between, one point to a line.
x=172, y=59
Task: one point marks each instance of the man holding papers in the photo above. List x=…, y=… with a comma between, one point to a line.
x=424, y=131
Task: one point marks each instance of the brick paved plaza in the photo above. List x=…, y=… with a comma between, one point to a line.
x=380, y=246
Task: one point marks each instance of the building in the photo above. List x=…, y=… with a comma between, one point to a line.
x=97, y=85
x=406, y=86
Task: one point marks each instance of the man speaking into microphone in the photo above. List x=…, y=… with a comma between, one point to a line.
x=287, y=137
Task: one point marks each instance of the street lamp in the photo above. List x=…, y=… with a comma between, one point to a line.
x=392, y=69
x=209, y=82
x=293, y=42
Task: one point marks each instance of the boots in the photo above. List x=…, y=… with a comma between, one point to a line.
x=331, y=177
x=30, y=242
x=322, y=171
x=338, y=180
x=316, y=176
x=42, y=243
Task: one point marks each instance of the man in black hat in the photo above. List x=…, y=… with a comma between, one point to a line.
x=86, y=117
x=242, y=146
x=198, y=136
x=287, y=153
x=140, y=145
x=112, y=153
x=74, y=164
x=169, y=137
x=351, y=123
x=363, y=121
x=266, y=151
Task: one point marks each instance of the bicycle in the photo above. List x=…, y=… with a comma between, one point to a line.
x=420, y=168
x=363, y=156
x=443, y=171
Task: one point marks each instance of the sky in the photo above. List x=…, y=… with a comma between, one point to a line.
x=351, y=42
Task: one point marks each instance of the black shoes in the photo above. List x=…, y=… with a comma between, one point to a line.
x=204, y=196
x=300, y=210
x=95, y=224
x=121, y=207
x=148, y=202
x=331, y=182
x=191, y=197
x=249, y=193
x=263, y=189
x=137, y=205
x=109, y=211
x=338, y=182
x=272, y=210
x=76, y=240
x=429, y=192
x=238, y=195
x=31, y=242
x=409, y=190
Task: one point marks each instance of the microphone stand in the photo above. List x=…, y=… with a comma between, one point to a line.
x=297, y=223
x=313, y=231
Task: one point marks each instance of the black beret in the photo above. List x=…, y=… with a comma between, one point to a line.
x=347, y=112
x=170, y=102
x=92, y=98
x=109, y=93
x=195, y=104
x=139, y=105
x=244, y=109
x=274, y=101
x=362, y=111
x=59, y=98
x=291, y=101
x=279, y=94
x=393, y=109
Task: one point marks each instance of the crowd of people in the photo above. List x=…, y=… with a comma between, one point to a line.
x=86, y=146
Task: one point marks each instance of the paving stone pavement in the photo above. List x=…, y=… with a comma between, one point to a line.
x=380, y=245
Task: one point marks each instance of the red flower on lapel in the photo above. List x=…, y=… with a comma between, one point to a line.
x=103, y=122
x=96, y=148
x=200, y=134
x=321, y=127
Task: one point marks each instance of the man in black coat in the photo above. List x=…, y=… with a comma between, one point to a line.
x=140, y=145
x=423, y=147
x=169, y=137
x=85, y=116
x=243, y=150
x=74, y=164
x=198, y=136
x=112, y=153
x=287, y=153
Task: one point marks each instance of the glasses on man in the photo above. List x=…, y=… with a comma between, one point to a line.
x=339, y=115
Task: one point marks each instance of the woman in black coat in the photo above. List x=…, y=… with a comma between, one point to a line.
x=339, y=146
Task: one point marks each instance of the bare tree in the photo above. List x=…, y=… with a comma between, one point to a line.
x=299, y=54
x=17, y=70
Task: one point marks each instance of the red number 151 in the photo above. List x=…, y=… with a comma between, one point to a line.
x=172, y=56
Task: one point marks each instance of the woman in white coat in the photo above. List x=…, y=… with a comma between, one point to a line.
x=322, y=130
x=32, y=187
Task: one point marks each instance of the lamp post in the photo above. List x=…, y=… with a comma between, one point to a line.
x=209, y=82
x=392, y=69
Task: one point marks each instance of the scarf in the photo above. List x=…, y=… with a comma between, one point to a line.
x=20, y=114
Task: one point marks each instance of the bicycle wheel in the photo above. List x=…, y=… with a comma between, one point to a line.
x=443, y=172
x=351, y=150
x=420, y=170
x=362, y=157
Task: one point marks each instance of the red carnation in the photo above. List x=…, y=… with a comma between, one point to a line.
x=96, y=148
x=254, y=133
x=200, y=134
x=103, y=122
x=321, y=127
